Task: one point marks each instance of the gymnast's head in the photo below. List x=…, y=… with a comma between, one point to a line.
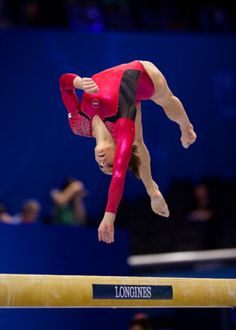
x=104, y=156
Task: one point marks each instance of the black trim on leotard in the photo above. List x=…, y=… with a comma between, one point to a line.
x=83, y=114
x=127, y=94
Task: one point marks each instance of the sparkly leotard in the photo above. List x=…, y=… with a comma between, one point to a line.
x=121, y=88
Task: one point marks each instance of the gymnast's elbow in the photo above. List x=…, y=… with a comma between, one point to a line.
x=74, y=127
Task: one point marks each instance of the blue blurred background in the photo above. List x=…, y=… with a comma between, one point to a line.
x=195, y=48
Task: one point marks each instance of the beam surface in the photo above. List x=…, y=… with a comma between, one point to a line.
x=104, y=291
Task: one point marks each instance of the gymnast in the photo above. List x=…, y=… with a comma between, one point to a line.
x=110, y=111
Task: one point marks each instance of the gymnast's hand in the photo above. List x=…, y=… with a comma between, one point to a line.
x=86, y=84
x=106, y=228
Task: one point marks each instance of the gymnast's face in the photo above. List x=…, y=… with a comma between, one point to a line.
x=104, y=156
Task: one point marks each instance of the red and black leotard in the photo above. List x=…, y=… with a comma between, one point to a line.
x=120, y=89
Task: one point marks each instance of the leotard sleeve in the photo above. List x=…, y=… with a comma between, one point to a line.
x=70, y=99
x=125, y=138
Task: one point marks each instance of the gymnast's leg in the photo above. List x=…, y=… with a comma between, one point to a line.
x=171, y=105
x=158, y=203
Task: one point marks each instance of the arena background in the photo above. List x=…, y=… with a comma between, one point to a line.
x=38, y=151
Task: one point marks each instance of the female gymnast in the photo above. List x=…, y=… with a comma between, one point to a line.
x=110, y=111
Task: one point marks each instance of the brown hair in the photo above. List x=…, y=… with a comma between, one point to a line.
x=134, y=162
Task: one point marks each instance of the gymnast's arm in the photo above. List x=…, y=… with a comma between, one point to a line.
x=125, y=137
x=70, y=99
x=68, y=83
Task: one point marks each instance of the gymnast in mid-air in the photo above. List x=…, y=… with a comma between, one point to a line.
x=110, y=111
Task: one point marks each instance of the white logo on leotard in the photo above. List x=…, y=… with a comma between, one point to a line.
x=95, y=103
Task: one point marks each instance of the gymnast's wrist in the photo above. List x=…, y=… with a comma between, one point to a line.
x=109, y=216
x=77, y=82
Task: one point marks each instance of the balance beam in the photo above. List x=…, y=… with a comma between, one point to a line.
x=107, y=291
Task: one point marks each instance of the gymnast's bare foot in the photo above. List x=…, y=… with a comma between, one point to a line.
x=158, y=204
x=188, y=136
